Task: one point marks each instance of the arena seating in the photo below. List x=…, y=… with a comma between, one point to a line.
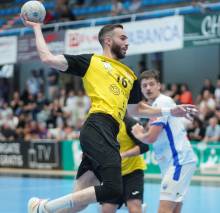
x=9, y=12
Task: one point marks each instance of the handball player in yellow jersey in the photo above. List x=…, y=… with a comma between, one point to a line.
x=110, y=86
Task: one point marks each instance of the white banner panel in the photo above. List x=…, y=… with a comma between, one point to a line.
x=83, y=40
x=146, y=36
x=155, y=35
x=8, y=50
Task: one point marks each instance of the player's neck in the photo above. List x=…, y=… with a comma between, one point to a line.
x=107, y=53
x=153, y=99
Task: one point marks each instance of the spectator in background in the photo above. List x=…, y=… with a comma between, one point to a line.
x=207, y=105
x=63, y=12
x=185, y=95
x=212, y=131
x=34, y=83
x=207, y=85
x=134, y=6
x=85, y=99
x=53, y=84
x=71, y=100
x=62, y=97
x=197, y=131
x=141, y=67
x=49, y=16
x=16, y=103
x=7, y=132
x=217, y=92
x=117, y=8
x=4, y=89
x=175, y=94
x=217, y=113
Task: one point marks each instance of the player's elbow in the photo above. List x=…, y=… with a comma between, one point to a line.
x=48, y=59
x=150, y=139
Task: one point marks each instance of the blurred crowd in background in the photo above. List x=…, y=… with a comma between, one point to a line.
x=57, y=112
x=48, y=109
x=73, y=10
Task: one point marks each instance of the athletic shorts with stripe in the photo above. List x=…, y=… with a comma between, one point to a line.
x=173, y=189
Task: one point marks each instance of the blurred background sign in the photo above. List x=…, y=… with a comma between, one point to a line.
x=201, y=30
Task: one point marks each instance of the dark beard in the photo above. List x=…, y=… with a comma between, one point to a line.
x=116, y=50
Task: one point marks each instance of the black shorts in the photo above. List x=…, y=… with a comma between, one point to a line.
x=133, y=187
x=98, y=140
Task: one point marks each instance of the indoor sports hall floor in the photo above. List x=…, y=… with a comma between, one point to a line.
x=15, y=192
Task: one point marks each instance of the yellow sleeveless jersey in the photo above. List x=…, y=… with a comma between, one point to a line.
x=129, y=164
x=108, y=84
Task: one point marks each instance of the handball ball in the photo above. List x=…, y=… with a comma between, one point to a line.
x=34, y=11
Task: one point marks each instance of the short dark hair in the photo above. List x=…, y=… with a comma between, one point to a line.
x=150, y=74
x=106, y=29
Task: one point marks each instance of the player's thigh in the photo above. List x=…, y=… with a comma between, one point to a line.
x=85, y=180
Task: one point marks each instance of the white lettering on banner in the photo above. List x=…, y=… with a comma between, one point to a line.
x=144, y=36
x=11, y=160
x=155, y=35
x=43, y=155
x=43, y=152
x=9, y=148
x=211, y=25
x=163, y=34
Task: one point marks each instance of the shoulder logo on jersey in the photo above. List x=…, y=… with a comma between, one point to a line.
x=114, y=89
x=107, y=66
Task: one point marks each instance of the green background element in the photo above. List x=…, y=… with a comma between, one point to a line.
x=208, y=158
x=201, y=30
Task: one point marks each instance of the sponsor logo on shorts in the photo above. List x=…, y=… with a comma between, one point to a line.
x=164, y=186
x=135, y=192
x=178, y=194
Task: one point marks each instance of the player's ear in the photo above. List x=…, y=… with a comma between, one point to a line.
x=107, y=41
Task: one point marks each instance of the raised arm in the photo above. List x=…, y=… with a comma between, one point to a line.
x=55, y=61
x=144, y=110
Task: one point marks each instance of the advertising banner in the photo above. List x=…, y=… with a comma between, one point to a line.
x=32, y=155
x=13, y=154
x=44, y=155
x=146, y=36
x=201, y=30
x=208, y=158
x=27, y=46
x=8, y=50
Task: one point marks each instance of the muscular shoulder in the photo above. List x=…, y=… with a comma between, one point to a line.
x=78, y=64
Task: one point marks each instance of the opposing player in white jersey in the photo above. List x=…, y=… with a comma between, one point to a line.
x=172, y=148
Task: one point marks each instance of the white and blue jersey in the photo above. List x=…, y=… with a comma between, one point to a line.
x=172, y=147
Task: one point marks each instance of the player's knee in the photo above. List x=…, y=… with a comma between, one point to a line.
x=134, y=210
